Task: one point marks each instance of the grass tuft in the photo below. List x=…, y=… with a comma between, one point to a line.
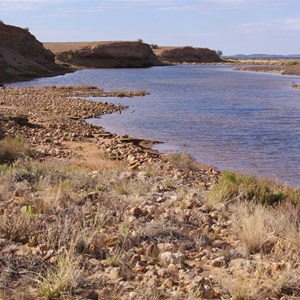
x=65, y=278
x=183, y=160
x=13, y=149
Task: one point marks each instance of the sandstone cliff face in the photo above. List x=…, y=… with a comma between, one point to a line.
x=111, y=55
x=188, y=55
x=23, y=57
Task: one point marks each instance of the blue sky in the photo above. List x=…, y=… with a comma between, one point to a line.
x=233, y=26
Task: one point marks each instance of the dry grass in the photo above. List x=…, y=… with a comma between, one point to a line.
x=60, y=205
x=13, y=149
x=64, y=278
x=254, y=224
x=67, y=227
x=268, y=230
x=183, y=160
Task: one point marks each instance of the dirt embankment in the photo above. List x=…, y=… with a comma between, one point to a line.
x=119, y=54
x=23, y=57
x=187, y=55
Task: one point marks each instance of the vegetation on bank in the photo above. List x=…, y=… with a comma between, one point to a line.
x=69, y=231
x=234, y=187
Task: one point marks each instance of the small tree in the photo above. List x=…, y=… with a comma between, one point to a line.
x=140, y=40
x=154, y=46
x=219, y=53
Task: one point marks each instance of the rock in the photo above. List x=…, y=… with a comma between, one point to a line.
x=136, y=212
x=133, y=295
x=166, y=247
x=242, y=265
x=168, y=258
x=126, y=175
x=188, y=54
x=94, y=262
x=114, y=273
x=208, y=292
x=93, y=295
x=200, y=289
x=218, y=262
x=172, y=268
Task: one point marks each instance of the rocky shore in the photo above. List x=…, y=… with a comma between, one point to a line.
x=92, y=215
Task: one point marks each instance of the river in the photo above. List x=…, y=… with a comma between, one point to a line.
x=242, y=121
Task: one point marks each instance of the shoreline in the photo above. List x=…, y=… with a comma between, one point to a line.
x=51, y=133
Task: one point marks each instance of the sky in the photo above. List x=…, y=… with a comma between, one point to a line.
x=232, y=26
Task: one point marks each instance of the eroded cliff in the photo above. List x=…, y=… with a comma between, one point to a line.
x=105, y=54
x=187, y=55
x=23, y=57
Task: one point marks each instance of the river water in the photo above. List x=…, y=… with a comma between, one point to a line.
x=242, y=121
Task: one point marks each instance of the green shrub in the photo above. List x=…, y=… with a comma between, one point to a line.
x=233, y=186
x=69, y=57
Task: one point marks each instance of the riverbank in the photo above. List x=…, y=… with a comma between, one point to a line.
x=86, y=214
x=281, y=66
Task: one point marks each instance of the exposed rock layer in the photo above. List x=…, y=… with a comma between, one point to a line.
x=108, y=55
x=23, y=57
x=187, y=54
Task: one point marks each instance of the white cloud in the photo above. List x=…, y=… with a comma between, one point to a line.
x=292, y=23
x=286, y=24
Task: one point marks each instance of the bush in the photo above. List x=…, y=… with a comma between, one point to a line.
x=69, y=57
x=219, y=53
x=154, y=46
x=232, y=186
x=12, y=149
x=140, y=40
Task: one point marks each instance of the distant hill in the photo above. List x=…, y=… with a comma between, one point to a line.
x=265, y=56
